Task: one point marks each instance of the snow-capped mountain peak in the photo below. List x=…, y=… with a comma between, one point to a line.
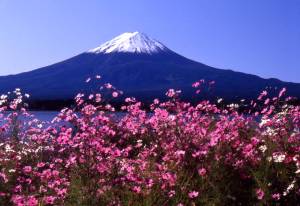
x=132, y=42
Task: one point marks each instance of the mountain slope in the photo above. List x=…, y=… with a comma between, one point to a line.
x=139, y=66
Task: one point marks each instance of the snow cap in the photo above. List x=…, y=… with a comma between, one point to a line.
x=132, y=42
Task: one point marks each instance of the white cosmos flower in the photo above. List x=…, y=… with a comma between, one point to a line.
x=234, y=106
x=8, y=148
x=3, y=97
x=278, y=157
x=220, y=100
x=263, y=148
x=172, y=117
x=289, y=188
x=263, y=122
x=270, y=131
x=11, y=170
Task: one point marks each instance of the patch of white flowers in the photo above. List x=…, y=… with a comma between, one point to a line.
x=270, y=131
x=18, y=92
x=233, y=106
x=8, y=148
x=263, y=148
x=3, y=99
x=264, y=122
x=289, y=188
x=172, y=117
x=219, y=100
x=278, y=157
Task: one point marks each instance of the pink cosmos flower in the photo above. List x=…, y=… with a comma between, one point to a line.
x=171, y=193
x=91, y=96
x=98, y=98
x=49, y=200
x=171, y=93
x=260, y=194
x=196, y=84
x=263, y=94
x=27, y=169
x=202, y=171
x=61, y=192
x=18, y=200
x=156, y=101
x=180, y=153
x=32, y=201
x=281, y=93
x=115, y=94
x=3, y=177
x=137, y=189
x=41, y=164
x=276, y=196
x=130, y=99
x=193, y=194
x=108, y=86
x=267, y=101
x=18, y=188
x=211, y=83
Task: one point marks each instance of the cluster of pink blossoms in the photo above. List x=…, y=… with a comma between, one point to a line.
x=175, y=154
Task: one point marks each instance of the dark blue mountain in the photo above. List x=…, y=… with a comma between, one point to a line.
x=141, y=67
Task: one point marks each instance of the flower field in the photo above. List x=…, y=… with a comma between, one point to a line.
x=175, y=154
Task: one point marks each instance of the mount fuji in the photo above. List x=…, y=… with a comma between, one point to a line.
x=141, y=67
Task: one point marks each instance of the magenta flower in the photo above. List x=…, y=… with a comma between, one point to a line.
x=171, y=193
x=18, y=200
x=108, y=86
x=276, y=196
x=3, y=177
x=137, y=189
x=282, y=92
x=41, y=164
x=115, y=94
x=32, y=201
x=171, y=93
x=260, y=194
x=27, y=169
x=202, y=171
x=196, y=84
x=193, y=194
x=49, y=200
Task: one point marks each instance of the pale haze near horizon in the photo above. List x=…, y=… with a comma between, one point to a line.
x=257, y=37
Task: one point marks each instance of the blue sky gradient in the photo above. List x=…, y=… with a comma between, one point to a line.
x=259, y=36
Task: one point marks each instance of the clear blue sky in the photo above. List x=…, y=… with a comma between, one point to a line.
x=253, y=36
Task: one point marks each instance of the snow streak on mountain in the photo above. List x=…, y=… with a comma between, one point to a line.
x=134, y=42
